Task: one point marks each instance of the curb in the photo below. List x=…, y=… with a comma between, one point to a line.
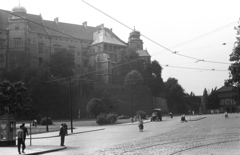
x=68, y=134
x=197, y=119
x=47, y=151
x=134, y=123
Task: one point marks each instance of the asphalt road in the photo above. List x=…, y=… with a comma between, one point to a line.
x=212, y=135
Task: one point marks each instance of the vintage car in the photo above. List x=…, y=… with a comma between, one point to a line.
x=156, y=115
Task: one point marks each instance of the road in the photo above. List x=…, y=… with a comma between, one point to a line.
x=212, y=135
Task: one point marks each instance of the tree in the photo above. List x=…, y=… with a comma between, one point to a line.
x=153, y=78
x=133, y=78
x=205, y=99
x=127, y=60
x=13, y=99
x=175, y=96
x=234, y=68
x=62, y=63
x=212, y=100
x=111, y=102
x=96, y=106
x=193, y=102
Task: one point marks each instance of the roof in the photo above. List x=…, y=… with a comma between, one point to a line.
x=103, y=36
x=77, y=31
x=4, y=19
x=36, y=23
x=225, y=89
x=143, y=53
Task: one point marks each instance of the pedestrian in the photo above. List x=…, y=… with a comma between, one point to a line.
x=226, y=115
x=20, y=135
x=171, y=115
x=140, y=124
x=183, y=119
x=25, y=131
x=35, y=123
x=62, y=133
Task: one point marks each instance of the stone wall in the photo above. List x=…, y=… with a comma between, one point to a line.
x=133, y=99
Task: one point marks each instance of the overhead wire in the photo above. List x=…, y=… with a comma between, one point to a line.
x=173, y=52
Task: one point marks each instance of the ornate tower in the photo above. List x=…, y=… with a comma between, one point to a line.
x=18, y=39
x=134, y=40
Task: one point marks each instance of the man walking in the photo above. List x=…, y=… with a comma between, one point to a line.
x=25, y=131
x=20, y=134
x=62, y=133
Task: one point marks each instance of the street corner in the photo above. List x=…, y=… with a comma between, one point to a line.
x=39, y=149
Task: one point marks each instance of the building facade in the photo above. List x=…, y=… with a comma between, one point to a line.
x=229, y=97
x=28, y=41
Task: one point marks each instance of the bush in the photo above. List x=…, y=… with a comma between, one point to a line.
x=46, y=121
x=112, y=118
x=39, y=118
x=104, y=118
x=142, y=114
x=96, y=107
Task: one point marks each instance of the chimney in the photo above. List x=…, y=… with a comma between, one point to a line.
x=56, y=20
x=85, y=24
x=111, y=33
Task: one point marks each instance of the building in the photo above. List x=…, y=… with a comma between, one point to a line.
x=228, y=97
x=28, y=41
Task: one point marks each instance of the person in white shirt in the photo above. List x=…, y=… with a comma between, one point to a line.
x=20, y=134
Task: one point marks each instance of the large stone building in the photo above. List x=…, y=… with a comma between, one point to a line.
x=229, y=99
x=28, y=41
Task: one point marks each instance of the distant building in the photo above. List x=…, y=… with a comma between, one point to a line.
x=28, y=41
x=228, y=97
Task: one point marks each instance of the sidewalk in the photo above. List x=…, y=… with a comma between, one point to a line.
x=38, y=146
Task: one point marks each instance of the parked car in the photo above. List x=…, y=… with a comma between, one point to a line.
x=156, y=115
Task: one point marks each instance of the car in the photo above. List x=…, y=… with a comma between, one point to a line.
x=156, y=115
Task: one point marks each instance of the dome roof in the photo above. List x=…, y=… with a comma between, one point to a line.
x=19, y=9
x=135, y=32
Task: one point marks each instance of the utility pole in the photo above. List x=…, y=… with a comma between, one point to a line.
x=70, y=100
x=47, y=112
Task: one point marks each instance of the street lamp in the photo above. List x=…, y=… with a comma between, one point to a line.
x=70, y=99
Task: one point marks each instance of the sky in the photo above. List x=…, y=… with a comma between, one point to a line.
x=194, y=29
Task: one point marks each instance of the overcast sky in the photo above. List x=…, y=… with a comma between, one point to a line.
x=193, y=28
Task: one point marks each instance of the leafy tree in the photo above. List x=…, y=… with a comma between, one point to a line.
x=212, y=100
x=234, y=68
x=13, y=98
x=96, y=106
x=111, y=102
x=205, y=99
x=175, y=96
x=62, y=63
x=193, y=102
x=127, y=61
x=153, y=77
x=133, y=78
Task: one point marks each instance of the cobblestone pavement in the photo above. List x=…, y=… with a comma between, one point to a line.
x=214, y=135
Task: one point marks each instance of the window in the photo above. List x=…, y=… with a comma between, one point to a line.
x=1, y=45
x=57, y=48
x=40, y=47
x=71, y=49
x=17, y=43
x=40, y=60
x=1, y=58
x=115, y=48
x=105, y=47
x=85, y=63
x=110, y=47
